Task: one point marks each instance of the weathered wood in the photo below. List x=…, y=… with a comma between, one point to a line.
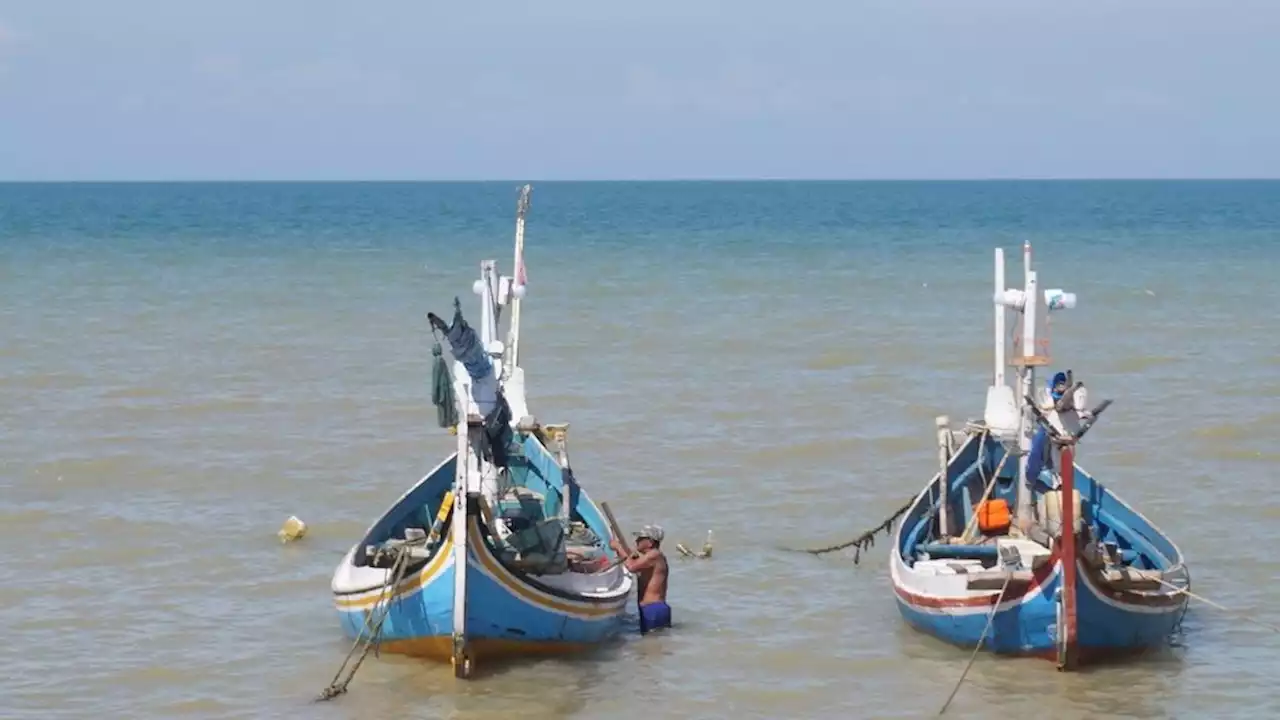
x=995, y=579
x=613, y=527
x=1125, y=578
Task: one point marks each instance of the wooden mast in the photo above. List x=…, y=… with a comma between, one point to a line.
x=1067, y=633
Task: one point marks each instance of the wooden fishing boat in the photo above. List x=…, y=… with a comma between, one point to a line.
x=498, y=551
x=989, y=554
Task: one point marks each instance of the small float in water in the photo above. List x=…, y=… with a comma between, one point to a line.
x=498, y=551
x=990, y=555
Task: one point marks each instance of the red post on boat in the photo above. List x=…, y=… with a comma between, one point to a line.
x=1067, y=629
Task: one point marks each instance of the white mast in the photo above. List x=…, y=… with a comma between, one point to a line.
x=1028, y=377
x=458, y=532
x=1001, y=360
x=518, y=280
x=1025, y=301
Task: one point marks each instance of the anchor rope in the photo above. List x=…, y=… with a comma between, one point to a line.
x=867, y=540
x=981, y=639
x=372, y=626
x=1243, y=616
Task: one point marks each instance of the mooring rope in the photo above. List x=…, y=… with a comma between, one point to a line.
x=864, y=541
x=1187, y=591
x=981, y=639
x=372, y=626
x=867, y=539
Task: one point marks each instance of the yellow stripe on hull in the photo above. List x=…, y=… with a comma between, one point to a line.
x=441, y=648
x=537, y=598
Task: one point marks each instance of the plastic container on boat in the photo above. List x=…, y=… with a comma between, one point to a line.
x=1056, y=299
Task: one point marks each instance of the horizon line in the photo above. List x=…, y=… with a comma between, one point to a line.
x=689, y=180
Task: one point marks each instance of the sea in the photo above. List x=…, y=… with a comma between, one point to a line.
x=184, y=366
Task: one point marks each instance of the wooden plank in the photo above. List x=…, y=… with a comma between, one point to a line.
x=994, y=579
x=613, y=527
x=1132, y=578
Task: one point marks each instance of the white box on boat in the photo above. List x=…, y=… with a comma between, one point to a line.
x=947, y=566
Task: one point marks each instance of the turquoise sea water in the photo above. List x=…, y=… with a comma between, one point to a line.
x=183, y=366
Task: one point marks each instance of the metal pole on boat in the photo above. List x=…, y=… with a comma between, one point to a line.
x=1027, y=374
x=518, y=278
x=1001, y=360
x=461, y=657
x=488, y=308
x=943, y=424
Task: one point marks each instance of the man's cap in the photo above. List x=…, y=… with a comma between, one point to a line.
x=652, y=532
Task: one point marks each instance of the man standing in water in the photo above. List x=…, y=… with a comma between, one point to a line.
x=650, y=568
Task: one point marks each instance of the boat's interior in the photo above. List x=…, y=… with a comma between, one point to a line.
x=1112, y=534
x=538, y=522
x=534, y=521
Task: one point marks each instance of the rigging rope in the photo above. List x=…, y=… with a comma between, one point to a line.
x=1187, y=591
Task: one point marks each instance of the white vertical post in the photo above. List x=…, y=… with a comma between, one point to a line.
x=458, y=530
x=943, y=424
x=518, y=275
x=488, y=318
x=1029, y=312
x=1001, y=361
x=1028, y=375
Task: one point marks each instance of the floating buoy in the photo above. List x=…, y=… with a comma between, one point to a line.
x=293, y=529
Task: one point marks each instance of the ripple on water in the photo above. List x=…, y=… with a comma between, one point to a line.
x=161, y=424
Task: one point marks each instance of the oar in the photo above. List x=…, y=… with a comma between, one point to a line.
x=613, y=528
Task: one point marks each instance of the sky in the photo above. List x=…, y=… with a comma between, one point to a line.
x=695, y=89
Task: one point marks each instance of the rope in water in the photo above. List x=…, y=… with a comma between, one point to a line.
x=981, y=639
x=1224, y=608
x=867, y=539
x=373, y=626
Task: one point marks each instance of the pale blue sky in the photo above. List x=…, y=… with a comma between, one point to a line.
x=569, y=89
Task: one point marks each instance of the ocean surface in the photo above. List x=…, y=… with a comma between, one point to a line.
x=184, y=366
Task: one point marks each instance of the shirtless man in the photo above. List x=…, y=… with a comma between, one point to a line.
x=650, y=567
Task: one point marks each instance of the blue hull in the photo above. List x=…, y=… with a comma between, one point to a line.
x=507, y=612
x=1027, y=625
x=506, y=615
x=1112, y=620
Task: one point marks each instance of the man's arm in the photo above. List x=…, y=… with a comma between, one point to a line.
x=643, y=561
x=637, y=560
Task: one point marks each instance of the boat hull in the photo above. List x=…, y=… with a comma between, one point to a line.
x=507, y=615
x=1026, y=621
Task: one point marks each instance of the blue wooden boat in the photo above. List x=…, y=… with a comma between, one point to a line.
x=989, y=553
x=498, y=551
